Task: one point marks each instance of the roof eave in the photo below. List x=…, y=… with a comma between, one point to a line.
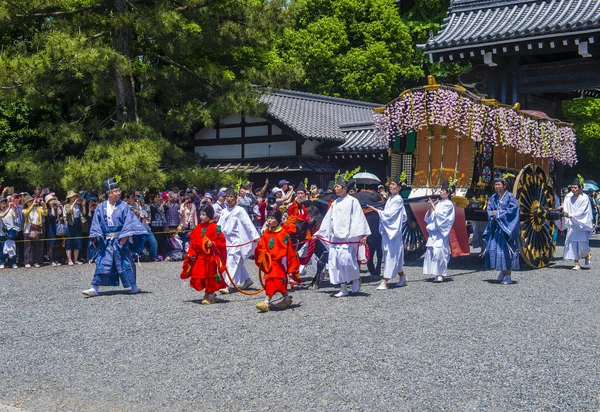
x=446, y=50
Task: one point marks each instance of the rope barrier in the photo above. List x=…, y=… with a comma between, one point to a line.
x=311, y=249
x=61, y=238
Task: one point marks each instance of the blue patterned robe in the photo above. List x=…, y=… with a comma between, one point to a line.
x=113, y=260
x=502, y=233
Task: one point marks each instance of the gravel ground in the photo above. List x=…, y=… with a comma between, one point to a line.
x=468, y=343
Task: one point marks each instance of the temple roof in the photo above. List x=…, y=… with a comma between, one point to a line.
x=313, y=116
x=491, y=24
x=359, y=138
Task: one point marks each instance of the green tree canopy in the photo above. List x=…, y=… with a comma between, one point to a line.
x=357, y=49
x=75, y=74
x=585, y=114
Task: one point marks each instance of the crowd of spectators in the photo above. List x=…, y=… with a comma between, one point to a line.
x=38, y=228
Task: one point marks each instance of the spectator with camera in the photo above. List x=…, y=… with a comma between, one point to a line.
x=245, y=202
x=5, y=210
x=219, y=205
x=188, y=217
x=10, y=221
x=171, y=209
x=54, y=217
x=92, y=205
x=145, y=213
x=35, y=209
x=74, y=211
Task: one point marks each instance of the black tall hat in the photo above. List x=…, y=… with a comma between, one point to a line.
x=230, y=191
x=448, y=186
x=276, y=214
x=209, y=211
x=576, y=182
x=340, y=180
x=351, y=185
x=110, y=184
x=301, y=187
x=330, y=185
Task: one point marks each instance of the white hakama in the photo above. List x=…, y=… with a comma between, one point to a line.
x=391, y=220
x=439, y=223
x=238, y=229
x=345, y=223
x=579, y=226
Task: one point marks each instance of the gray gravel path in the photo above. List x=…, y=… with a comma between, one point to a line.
x=466, y=344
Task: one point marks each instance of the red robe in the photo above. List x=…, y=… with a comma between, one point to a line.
x=205, y=270
x=298, y=210
x=278, y=245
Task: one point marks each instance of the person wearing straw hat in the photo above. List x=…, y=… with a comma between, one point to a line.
x=117, y=235
x=343, y=227
x=439, y=219
x=33, y=213
x=74, y=210
x=577, y=217
x=391, y=221
x=55, y=212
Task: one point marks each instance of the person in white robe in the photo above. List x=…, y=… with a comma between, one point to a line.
x=344, y=226
x=238, y=230
x=577, y=218
x=391, y=220
x=439, y=219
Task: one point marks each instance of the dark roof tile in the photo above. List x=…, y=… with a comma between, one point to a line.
x=314, y=116
x=470, y=22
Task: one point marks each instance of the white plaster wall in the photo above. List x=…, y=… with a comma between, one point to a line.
x=255, y=150
x=220, y=152
x=257, y=131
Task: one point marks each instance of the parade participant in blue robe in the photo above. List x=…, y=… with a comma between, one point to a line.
x=502, y=232
x=118, y=235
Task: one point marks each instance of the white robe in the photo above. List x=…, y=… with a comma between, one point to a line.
x=391, y=220
x=439, y=223
x=344, y=222
x=238, y=229
x=579, y=226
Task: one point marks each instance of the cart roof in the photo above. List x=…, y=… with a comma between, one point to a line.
x=528, y=131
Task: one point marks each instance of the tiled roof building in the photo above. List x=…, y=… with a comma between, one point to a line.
x=300, y=134
x=475, y=27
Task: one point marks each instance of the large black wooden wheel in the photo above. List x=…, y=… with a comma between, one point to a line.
x=414, y=241
x=535, y=197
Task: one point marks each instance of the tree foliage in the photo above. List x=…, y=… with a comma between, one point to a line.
x=585, y=114
x=75, y=75
x=357, y=49
x=363, y=49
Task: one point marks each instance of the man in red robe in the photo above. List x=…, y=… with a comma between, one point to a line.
x=276, y=258
x=206, y=257
x=297, y=208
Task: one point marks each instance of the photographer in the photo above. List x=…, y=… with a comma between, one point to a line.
x=74, y=210
x=171, y=209
x=92, y=205
x=219, y=205
x=33, y=214
x=9, y=216
x=55, y=214
x=158, y=223
x=188, y=217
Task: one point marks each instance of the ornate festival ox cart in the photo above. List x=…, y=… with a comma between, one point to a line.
x=439, y=132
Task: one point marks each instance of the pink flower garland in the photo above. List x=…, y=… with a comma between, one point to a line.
x=447, y=107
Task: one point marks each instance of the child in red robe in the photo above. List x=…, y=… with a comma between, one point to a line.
x=276, y=258
x=206, y=257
